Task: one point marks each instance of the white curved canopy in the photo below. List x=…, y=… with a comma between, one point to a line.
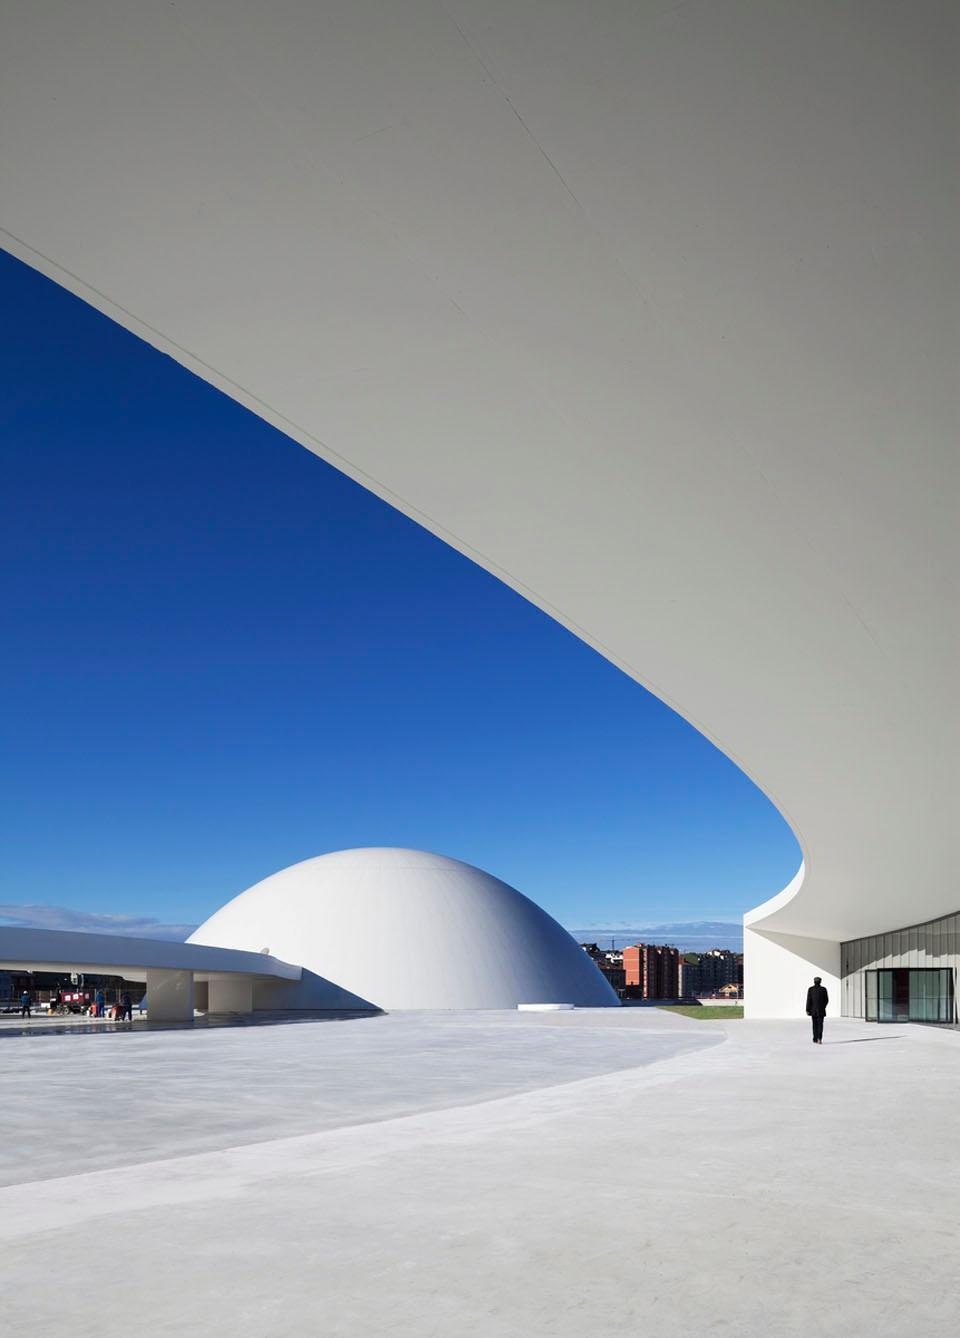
x=651, y=309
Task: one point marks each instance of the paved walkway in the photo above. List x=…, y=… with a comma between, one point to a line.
x=92, y=1101
x=761, y=1186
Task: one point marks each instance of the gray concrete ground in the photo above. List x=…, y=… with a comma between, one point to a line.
x=491, y=1174
x=86, y=1102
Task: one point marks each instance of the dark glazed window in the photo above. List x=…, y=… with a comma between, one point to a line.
x=909, y=994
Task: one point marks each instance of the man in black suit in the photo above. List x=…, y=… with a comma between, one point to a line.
x=817, y=1000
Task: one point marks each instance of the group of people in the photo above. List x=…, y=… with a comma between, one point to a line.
x=121, y=1011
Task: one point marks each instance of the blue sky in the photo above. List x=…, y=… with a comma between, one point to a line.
x=220, y=656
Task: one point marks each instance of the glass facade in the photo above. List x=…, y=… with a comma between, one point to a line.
x=907, y=975
x=899, y=994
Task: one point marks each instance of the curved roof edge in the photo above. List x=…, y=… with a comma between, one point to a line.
x=63, y=949
x=759, y=915
x=687, y=383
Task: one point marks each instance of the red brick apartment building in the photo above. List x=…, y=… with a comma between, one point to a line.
x=651, y=972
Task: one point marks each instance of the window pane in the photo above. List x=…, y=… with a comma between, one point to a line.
x=919, y=996
x=870, y=1010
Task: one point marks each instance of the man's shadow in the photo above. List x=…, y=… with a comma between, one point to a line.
x=859, y=1040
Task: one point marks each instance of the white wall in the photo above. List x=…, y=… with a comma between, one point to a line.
x=169, y=996
x=230, y=994
x=311, y=992
x=778, y=969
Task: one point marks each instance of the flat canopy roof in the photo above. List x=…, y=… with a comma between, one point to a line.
x=113, y=954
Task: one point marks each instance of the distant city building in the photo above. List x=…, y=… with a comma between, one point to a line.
x=660, y=971
x=651, y=971
x=609, y=961
x=705, y=973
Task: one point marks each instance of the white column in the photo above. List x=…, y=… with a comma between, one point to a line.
x=169, y=996
x=230, y=994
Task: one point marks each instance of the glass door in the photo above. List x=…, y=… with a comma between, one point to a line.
x=931, y=995
x=893, y=996
x=899, y=994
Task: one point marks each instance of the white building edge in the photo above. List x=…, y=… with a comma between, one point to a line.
x=180, y=977
x=650, y=310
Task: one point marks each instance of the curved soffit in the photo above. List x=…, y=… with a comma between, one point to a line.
x=649, y=309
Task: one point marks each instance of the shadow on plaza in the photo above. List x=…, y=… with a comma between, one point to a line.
x=860, y=1040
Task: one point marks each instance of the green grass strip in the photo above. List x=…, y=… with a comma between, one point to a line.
x=706, y=1013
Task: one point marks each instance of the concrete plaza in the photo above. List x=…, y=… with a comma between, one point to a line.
x=489, y=1174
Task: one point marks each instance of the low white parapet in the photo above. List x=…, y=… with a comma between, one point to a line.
x=545, y=1008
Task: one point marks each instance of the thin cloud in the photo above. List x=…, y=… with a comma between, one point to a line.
x=688, y=935
x=91, y=922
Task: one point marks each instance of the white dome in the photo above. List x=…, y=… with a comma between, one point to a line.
x=407, y=929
